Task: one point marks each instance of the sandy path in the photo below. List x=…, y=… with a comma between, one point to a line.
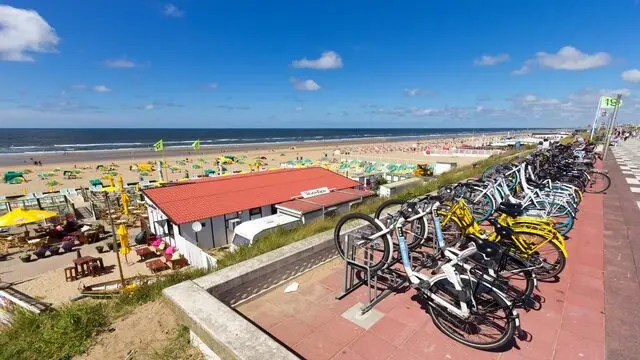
x=144, y=333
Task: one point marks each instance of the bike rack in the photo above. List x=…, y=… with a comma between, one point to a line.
x=391, y=279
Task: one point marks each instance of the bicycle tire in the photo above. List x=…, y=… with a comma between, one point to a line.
x=418, y=237
x=558, y=266
x=437, y=314
x=386, y=251
x=606, y=179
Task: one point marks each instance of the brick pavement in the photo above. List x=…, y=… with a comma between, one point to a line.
x=570, y=325
x=622, y=252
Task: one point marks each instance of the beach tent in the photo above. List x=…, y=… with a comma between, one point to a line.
x=10, y=175
x=95, y=182
x=209, y=172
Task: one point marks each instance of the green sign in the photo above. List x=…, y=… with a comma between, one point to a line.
x=607, y=102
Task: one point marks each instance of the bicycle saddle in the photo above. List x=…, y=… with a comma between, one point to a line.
x=510, y=209
x=487, y=248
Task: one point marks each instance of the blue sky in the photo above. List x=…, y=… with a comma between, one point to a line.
x=196, y=63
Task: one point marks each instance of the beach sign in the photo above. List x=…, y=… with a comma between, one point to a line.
x=608, y=102
x=196, y=145
x=314, y=192
x=158, y=146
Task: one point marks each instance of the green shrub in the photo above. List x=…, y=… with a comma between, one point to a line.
x=53, y=335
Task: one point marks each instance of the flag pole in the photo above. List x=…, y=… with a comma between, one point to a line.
x=593, y=126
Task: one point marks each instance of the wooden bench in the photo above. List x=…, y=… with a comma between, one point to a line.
x=156, y=265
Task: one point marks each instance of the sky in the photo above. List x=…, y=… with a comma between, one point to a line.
x=333, y=64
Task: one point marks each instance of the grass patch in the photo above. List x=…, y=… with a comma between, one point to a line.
x=69, y=331
x=54, y=335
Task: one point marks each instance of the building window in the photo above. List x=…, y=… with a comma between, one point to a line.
x=169, y=228
x=255, y=213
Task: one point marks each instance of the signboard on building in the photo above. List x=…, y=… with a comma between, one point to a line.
x=314, y=192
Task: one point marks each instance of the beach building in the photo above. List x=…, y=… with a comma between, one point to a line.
x=220, y=204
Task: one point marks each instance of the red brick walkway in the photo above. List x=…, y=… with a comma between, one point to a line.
x=622, y=255
x=569, y=326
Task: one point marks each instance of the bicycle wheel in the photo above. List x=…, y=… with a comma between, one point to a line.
x=491, y=323
x=520, y=277
x=415, y=232
x=561, y=215
x=598, y=182
x=549, y=260
x=374, y=253
x=482, y=207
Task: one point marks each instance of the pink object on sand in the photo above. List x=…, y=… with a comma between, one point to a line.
x=170, y=250
x=157, y=242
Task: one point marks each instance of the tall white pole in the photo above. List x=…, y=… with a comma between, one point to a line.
x=595, y=120
x=611, y=126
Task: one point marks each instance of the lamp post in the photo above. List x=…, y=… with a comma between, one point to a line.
x=115, y=241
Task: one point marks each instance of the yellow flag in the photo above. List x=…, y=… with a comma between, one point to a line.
x=159, y=146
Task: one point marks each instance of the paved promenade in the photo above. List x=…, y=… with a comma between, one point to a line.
x=622, y=252
x=570, y=325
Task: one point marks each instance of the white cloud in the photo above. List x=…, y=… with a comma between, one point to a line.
x=416, y=91
x=298, y=108
x=328, y=60
x=304, y=85
x=122, y=63
x=23, y=32
x=172, y=11
x=567, y=58
x=160, y=104
x=101, y=88
x=488, y=60
x=212, y=86
x=631, y=75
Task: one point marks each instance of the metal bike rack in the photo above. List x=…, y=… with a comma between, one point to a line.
x=392, y=279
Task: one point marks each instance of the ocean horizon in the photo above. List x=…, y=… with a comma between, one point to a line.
x=26, y=141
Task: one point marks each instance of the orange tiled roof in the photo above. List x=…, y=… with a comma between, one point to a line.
x=209, y=197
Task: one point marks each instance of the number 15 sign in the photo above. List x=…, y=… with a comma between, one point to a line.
x=607, y=102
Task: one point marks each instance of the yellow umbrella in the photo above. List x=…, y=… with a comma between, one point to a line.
x=22, y=217
x=124, y=198
x=123, y=234
x=120, y=183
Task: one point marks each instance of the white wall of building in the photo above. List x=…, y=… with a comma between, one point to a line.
x=205, y=236
x=219, y=231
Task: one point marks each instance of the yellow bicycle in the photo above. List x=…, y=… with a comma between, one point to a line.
x=533, y=239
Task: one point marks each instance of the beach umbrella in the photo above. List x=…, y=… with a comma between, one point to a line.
x=22, y=217
x=124, y=199
x=123, y=235
x=120, y=183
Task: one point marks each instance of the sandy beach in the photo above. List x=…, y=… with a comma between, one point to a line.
x=183, y=160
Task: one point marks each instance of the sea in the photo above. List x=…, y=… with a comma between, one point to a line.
x=39, y=141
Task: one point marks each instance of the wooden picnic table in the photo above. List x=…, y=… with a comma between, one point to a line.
x=86, y=261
